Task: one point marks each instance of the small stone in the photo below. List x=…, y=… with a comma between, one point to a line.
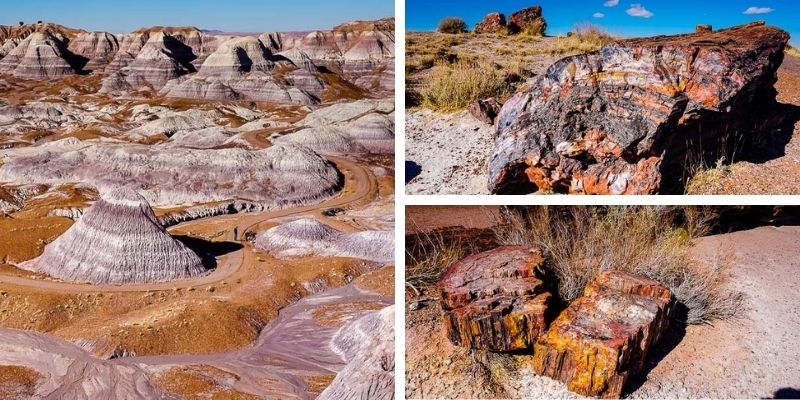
x=485, y=110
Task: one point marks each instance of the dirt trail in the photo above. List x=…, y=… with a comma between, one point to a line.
x=361, y=188
x=292, y=345
x=755, y=356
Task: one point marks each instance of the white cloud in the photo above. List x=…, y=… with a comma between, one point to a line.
x=598, y=15
x=611, y=3
x=637, y=10
x=758, y=10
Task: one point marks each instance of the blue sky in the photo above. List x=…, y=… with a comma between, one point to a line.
x=229, y=15
x=655, y=17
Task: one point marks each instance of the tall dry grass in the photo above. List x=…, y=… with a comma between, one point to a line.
x=652, y=241
x=584, y=38
x=452, y=87
x=425, y=269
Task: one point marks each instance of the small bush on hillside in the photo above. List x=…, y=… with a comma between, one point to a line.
x=584, y=38
x=452, y=25
x=535, y=28
x=426, y=269
x=652, y=241
x=452, y=87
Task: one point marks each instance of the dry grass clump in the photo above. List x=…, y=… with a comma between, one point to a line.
x=452, y=25
x=535, y=28
x=452, y=87
x=792, y=51
x=424, y=270
x=651, y=241
x=584, y=38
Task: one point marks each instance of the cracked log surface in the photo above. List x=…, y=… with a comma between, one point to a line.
x=496, y=300
x=603, y=337
x=625, y=119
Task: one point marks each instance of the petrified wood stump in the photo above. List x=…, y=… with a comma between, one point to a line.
x=625, y=119
x=603, y=337
x=495, y=300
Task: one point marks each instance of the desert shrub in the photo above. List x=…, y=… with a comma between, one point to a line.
x=535, y=28
x=452, y=25
x=425, y=265
x=652, y=241
x=453, y=86
x=792, y=51
x=584, y=38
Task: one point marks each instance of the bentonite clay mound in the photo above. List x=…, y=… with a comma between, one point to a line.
x=117, y=241
x=625, y=119
x=603, y=338
x=495, y=300
x=367, y=345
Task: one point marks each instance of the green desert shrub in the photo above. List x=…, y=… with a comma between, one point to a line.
x=452, y=25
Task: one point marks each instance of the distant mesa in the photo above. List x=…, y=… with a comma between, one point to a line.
x=118, y=241
x=185, y=62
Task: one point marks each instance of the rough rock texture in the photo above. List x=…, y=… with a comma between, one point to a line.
x=522, y=18
x=95, y=49
x=117, y=241
x=496, y=300
x=367, y=345
x=625, y=119
x=603, y=337
x=492, y=23
x=40, y=56
x=485, y=110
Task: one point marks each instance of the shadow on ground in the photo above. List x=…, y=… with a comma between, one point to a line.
x=772, y=144
x=787, y=393
x=412, y=170
x=208, y=250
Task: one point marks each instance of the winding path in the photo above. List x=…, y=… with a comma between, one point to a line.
x=360, y=187
x=290, y=346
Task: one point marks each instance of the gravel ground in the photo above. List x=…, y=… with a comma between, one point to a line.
x=451, y=150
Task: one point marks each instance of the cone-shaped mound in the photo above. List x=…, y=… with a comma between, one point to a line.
x=304, y=235
x=118, y=240
x=367, y=245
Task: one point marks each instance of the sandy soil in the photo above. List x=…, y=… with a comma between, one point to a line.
x=754, y=356
x=429, y=218
x=461, y=168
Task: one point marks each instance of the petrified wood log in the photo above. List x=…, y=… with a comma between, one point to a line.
x=625, y=119
x=603, y=337
x=495, y=301
x=492, y=23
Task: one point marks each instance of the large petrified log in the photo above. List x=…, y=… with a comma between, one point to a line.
x=625, y=119
x=495, y=300
x=603, y=337
x=492, y=23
